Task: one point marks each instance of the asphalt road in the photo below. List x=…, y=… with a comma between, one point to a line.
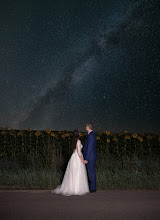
x=111, y=204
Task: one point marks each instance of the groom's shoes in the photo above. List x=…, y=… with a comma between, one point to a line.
x=92, y=191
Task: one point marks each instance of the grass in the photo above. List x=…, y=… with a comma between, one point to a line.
x=111, y=173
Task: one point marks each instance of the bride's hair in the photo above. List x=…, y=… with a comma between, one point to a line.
x=75, y=138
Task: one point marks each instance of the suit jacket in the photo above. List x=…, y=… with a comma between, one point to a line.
x=90, y=149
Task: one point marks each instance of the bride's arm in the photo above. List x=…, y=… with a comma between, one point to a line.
x=79, y=152
x=83, y=161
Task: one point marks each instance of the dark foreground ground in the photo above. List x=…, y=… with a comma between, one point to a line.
x=112, y=204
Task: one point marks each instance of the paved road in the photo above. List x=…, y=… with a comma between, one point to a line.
x=112, y=204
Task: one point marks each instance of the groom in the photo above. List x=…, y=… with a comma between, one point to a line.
x=90, y=155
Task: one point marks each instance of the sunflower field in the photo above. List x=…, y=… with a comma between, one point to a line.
x=51, y=150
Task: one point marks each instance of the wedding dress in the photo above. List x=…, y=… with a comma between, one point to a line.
x=75, y=181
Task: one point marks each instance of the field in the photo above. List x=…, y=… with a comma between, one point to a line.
x=32, y=159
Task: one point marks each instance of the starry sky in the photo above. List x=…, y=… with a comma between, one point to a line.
x=66, y=63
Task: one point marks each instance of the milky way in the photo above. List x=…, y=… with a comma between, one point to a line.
x=66, y=63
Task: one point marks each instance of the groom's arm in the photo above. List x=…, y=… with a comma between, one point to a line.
x=90, y=146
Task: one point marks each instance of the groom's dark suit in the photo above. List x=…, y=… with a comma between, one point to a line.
x=90, y=154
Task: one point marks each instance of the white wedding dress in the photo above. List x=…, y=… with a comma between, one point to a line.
x=75, y=181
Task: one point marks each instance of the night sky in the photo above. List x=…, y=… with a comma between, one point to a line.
x=64, y=63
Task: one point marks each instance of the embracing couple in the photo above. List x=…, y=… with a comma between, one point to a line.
x=75, y=181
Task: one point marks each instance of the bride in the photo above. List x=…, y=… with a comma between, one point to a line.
x=75, y=180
